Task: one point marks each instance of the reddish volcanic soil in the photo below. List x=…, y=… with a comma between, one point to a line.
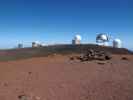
x=58, y=78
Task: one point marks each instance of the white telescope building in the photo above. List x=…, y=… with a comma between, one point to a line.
x=77, y=40
x=102, y=39
x=117, y=43
x=36, y=44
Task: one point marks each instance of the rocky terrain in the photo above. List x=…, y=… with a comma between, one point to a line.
x=95, y=74
x=57, y=77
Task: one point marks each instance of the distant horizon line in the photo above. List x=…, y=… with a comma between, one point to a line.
x=16, y=47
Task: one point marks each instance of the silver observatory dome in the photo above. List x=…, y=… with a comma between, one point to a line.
x=117, y=43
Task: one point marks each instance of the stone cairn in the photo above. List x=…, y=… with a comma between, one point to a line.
x=94, y=55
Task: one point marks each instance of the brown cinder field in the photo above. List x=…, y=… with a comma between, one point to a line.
x=58, y=78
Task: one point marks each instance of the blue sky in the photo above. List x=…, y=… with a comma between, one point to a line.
x=57, y=21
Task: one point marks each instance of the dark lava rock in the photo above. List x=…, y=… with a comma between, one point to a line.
x=22, y=97
x=71, y=58
x=108, y=56
x=5, y=84
x=29, y=73
x=124, y=58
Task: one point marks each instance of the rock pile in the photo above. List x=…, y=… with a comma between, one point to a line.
x=94, y=55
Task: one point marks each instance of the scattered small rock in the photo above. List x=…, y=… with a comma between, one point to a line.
x=108, y=56
x=101, y=63
x=124, y=58
x=71, y=58
x=22, y=97
x=5, y=84
x=29, y=73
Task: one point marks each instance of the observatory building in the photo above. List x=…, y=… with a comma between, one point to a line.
x=20, y=45
x=76, y=40
x=117, y=43
x=102, y=39
x=35, y=44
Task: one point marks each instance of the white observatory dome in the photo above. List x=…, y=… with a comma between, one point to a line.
x=117, y=43
x=77, y=40
x=36, y=44
x=78, y=37
x=102, y=37
x=43, y=44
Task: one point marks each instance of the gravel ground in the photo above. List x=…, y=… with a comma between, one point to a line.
x=58, y=78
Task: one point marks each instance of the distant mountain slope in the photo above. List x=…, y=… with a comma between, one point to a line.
x=14, y=54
